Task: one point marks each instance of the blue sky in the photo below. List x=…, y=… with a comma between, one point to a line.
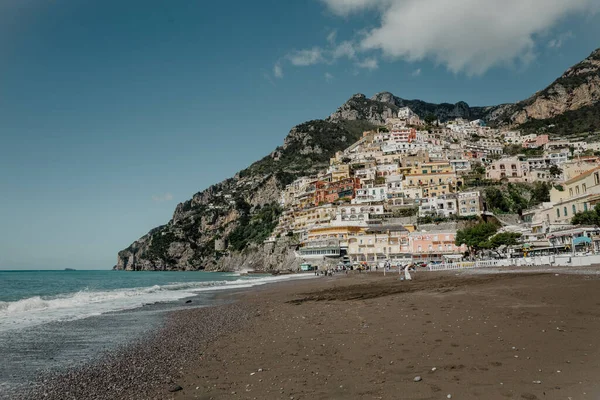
x=112, y=112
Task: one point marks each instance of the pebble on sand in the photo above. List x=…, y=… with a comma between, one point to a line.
x=175, y=388
x=418, y=379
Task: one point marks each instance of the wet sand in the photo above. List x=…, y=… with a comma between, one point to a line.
x=469, y=335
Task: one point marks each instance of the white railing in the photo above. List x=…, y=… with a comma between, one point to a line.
x=558, y=260
x=468, y=265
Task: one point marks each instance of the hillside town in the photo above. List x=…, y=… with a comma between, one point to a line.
x=402, y=192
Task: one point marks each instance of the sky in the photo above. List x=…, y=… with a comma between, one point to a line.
x=112, y=112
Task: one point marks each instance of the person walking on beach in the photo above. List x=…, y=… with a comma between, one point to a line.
x=407, y=273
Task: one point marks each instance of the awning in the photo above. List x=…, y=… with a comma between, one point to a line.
x=581, y=240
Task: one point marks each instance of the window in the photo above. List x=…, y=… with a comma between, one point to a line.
x=574, y=209
x=584, y=188
x=577, y=189
x=565, y=211
x=513, y=166
x=597, y=178
x=571, y=192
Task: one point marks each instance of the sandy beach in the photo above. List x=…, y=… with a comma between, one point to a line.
x=465, y=335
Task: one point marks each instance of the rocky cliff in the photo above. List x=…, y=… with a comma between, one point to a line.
x=224, y=227
x=577, y=88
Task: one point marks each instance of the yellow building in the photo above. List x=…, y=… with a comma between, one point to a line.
x=431, y=179
x=334, y=232
x=576, y=195
x=339, y=172
x=432, y=168
x=437, y=189
x=309, y=217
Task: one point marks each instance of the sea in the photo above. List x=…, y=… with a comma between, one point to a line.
x=53, y=320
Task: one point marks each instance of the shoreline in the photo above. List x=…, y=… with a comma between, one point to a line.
x=347, y=336
x=212, y=312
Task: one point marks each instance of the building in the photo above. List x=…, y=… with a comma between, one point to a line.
x=577, y=195
x=328, y=192
x=512, y=169
x=460, y=165
x=441, y=206
x=370, y=194
x=339, y=172
x=434, y=245
x=535, y=142
x=469, y=203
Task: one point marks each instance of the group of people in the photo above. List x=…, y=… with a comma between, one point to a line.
x=363, y=267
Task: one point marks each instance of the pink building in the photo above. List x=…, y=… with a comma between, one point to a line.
x=511, y=169
x=433, y=245
x=539, y=141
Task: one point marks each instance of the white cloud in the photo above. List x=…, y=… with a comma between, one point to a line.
x=303, y=58
x=368, y=63
x=560, y=39
x=278, y=71
x=331, y=37
x=344, y=49
x=416, y=72
x=161, y=198
x=469, y=36
x=345, y=7
x=328, y=77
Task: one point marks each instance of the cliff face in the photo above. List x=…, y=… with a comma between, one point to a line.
x=224, y=227
x=578, y=87
x=443, y=111
x=358, y=107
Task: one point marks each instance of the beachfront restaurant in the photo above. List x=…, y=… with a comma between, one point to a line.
x=579, y=239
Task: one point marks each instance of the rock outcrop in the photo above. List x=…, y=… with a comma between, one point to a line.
x=578, y=87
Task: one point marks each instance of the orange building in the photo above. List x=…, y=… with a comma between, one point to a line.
x=328, y=192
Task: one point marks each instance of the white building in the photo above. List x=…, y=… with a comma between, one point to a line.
x=370, y=194
x=441, y=206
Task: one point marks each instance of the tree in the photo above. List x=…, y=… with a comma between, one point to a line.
x=430, y=119
x=502, y=239
x=555, y=170
x=476, y=237
x=495, y=200
x=478, y=168
x=591, y=217
x=540, y=193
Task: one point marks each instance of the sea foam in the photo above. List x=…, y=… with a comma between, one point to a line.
x=38, y=310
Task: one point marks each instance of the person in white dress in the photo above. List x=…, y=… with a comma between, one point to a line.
x=407, y=274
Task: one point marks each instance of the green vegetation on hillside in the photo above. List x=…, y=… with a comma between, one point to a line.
x=516, y=149
x=255, y=228
x=590, y=217
x=323, y=137
x=516, y=197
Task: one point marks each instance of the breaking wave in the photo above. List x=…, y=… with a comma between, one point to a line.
x=85, y=303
